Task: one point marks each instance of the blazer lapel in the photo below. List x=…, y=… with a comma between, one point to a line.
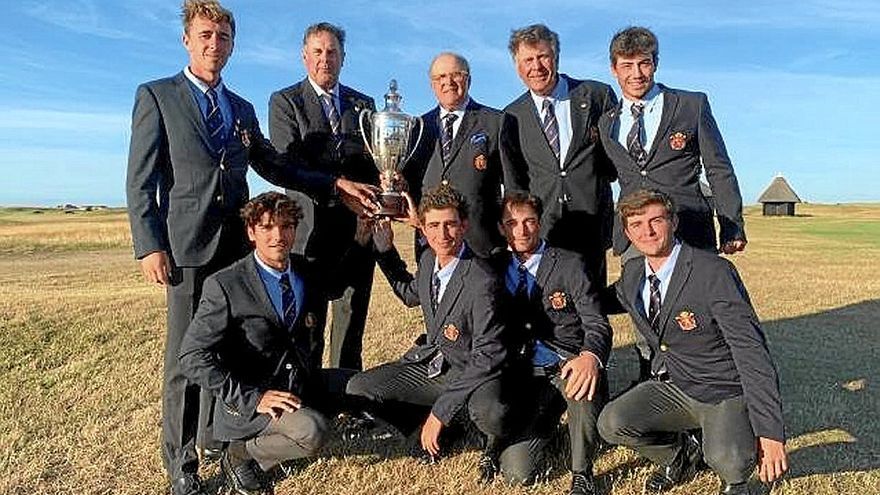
x=350, y=110
x=424, y=274
x=670, y=105
x=548, y=261
x=464, y=134
x=313, y=108
x=532, y=127
x=680, y=275
x=579, y=114
x=633, y=281
x=453, y=288
x=189, y=102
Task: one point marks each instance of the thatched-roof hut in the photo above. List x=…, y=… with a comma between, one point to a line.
x=779, y=198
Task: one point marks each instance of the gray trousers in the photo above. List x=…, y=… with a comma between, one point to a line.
x=294, y=435
x=544, y=399
x=186, y=409
x=650, y=417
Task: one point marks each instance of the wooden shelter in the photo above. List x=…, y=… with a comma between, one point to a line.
x=779, y=198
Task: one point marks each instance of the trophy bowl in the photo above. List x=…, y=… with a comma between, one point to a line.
x=387, y=138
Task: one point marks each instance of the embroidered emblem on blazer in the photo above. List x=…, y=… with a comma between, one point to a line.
x=451, y=332
x=678, y=141
x=558, y=300
x=593, y=134
x=311, y=320
x=686, y=321
x=480, y=162
x=242, y=133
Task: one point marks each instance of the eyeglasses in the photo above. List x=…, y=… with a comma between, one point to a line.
x=458, y=77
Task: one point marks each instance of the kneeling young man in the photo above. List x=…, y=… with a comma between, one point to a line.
x=251, y=344
x=562, y=344
x=455, y=366
x=710, y=366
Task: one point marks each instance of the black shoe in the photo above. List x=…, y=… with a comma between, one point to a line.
x=682, y=469
x=212, y=454
x=582, y=484
x=487, y=467
x=735, y=489
x=244, y=478
x=189, y=484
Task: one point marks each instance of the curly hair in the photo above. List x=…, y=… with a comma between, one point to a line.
x=440, y=198
x=280, y=208
x=632, y=41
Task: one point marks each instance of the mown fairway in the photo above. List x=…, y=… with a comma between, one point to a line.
x=81, y=339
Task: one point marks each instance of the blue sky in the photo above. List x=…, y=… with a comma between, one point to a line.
x=794, y=85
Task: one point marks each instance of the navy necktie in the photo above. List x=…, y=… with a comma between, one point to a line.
x=634, y=138
x=654, y=303
x=435, y=292
x=214, y=121
x=446, y=138
x=521, y=294
x=551, y=127
x=288, y=301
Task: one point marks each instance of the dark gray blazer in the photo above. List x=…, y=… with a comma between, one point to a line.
x=576, y=323
x=467, y=326
x=577, y=199
x=237, y=347
x=297, y=125
x=179, y=192
x=474, y=170
x=726, y=354
x=677, y=171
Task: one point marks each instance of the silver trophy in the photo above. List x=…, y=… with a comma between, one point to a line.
x=389, y=144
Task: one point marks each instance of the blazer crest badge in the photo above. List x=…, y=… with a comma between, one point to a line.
x=686, y=320
x=480, y=162
x=558, y=300
x=678, y=141
x=311, y=320
x=243, y=133
x=451, y=332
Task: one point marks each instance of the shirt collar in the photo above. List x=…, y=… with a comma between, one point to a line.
x=269, y=270
x=219, y=87
x=320, y=90
x=560, y=92
x=533, y=261
x=459, y=112
x=650, y=99
x=665, y=271
x=450, y=267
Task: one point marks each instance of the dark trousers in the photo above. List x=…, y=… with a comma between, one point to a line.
x=331, y=233
x=403, y=395
x=184, y=405
x=651, y=416
x=542, y=402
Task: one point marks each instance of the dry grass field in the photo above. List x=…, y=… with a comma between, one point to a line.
x=81, y=339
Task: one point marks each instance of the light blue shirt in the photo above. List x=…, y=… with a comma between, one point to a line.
x=200, y=88
x=664, y=274
x=653, y=110
x=272, y=282
x=543, y=355
x=562, y=109
x=445, y=273
x=511, y=279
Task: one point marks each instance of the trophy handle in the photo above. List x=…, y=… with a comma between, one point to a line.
x=418, y=139
x=364, y=113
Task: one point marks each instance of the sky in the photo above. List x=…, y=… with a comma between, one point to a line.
x=794, y=86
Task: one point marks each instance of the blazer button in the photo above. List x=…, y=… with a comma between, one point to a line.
x=644, y=173
x=528, y=326
x=563, y=173
x=288, y=366
x=664, y=347
x=219, y=198
x=222, y=166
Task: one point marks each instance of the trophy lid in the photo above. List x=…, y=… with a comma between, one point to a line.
x=392, y=98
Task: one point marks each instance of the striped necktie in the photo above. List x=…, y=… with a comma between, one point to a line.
x=435, y=292
x=288, y=301
x=521, y=294
x=634, y=139
x=551, y=127
x=446, y=138
x=214, y=121
x=654, y=303
x=332, y=113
